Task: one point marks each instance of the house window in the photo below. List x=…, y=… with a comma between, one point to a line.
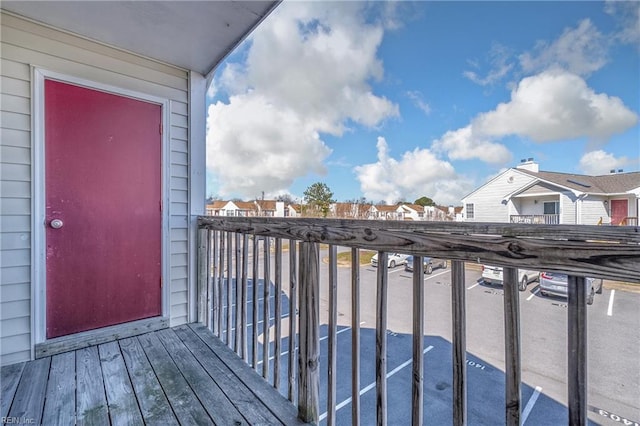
x=551, y=207
x=469, y=209
x=230, y=213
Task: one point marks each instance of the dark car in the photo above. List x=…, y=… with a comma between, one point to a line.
x=428, y=264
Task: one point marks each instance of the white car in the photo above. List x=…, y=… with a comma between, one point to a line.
x=393, y=260
x=493, y=275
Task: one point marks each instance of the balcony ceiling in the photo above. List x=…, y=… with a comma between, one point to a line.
x=196, y=35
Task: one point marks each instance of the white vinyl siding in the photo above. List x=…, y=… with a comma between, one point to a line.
x=593, y=209
x=568, y=209
x=487, y=200
x=25, y=44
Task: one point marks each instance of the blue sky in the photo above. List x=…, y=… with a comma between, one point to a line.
x=393, y=101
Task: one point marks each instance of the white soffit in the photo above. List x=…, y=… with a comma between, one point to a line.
x=195, y=35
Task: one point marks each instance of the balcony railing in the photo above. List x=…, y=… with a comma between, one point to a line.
x=629, y=221
x=230, y=270
x=544, y=219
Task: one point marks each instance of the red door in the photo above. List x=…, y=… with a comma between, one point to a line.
x=619, y=210
x=103, y=208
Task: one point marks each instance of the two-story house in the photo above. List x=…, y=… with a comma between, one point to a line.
x=524, y=194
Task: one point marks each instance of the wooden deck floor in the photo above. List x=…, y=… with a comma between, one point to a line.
x=182, y=375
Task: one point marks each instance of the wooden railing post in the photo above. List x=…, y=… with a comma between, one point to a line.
x=417, y=384
x=459, y=350
x=309, y=354
x=355, y=337
x=577, y=350
x=266, y=311
x=277, y=313
x=254, y=303
x=293, y=308
x=237, y=345
x=203, y=275
x=332, y=350
x=512, y=346
x=381, y=339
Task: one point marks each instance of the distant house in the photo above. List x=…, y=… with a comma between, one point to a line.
x=270, y=208
x=350, y=210
x=214, y=209
x=293, y=210
x=525, y=194
x=411, y=211
x=264, y=208
x=384, y=212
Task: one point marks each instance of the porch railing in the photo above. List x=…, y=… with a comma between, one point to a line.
x=226, y=268
x=629, y=221
x=545, y=219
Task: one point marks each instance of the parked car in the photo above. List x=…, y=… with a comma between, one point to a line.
x=428, y=263
x=493, y=275
x=556, y=284
x=393, y=260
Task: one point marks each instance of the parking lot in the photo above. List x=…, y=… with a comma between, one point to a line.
x=614, y=342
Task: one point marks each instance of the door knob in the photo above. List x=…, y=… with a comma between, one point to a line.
x=56, y=224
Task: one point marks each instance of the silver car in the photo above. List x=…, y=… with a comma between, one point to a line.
x=493, y=275
x=428, y=264
x=556, y=284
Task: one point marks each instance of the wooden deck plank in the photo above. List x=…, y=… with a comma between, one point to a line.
x=28, y=401
x=123, y=407
x=278, y=405
x=220, y=409
x=154, y=406
x=60, y=403
x=184, y=402
x=89, y=338
x=9, y=379
x=91, y=401
x=181, y=376
x=237, y=392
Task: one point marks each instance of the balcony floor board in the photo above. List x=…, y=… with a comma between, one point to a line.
x=171, y=376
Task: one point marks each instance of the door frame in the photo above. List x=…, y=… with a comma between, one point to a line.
x=610, y=208
x=38, y=173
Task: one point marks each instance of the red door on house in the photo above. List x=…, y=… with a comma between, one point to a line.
x=619, y=211
x=103, y=219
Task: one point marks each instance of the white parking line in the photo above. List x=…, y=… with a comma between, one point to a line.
x=475, y=285
x=337, y=332
x=271, y=358
x=373, y=385
x=610, y=308
x=535, y=292
x=428, y=277
x=530, y=404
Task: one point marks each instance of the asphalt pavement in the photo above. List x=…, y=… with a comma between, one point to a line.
x=613, y=351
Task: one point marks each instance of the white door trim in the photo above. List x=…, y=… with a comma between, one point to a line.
x=38, y=236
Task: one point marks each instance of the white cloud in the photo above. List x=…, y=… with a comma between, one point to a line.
x=548, y=107
x=416, y=97
x=553, y=106
x=600, y=162
x=581, y=50
x=465, y=144
x=499, y=58
x=260, y=156
x=628, y=15
x=417, y=173
x=307, y=72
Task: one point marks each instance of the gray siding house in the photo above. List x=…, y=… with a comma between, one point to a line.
x=525, y=194
x=143, y=54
